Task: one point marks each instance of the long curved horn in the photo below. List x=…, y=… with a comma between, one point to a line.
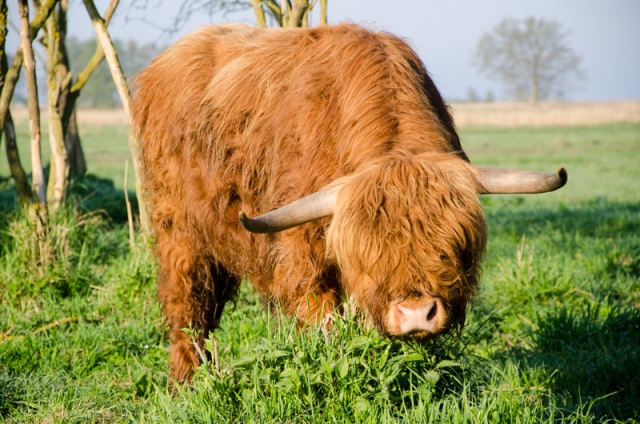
x=512, y=181
x=309, y=208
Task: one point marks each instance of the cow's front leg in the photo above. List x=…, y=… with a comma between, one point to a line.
x=193, y=290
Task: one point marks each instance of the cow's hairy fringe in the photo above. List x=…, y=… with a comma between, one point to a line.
x=424, y=230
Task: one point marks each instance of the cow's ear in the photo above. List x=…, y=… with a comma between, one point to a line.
x=513, y=181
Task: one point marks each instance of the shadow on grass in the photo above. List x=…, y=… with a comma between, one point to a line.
x=590, y=351
x=88, y=194
x=94, y=193
x=596, y=218
x=591, y=355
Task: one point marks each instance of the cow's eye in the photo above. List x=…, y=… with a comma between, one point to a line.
x=413, y=294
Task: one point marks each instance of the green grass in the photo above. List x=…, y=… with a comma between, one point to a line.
x=553, y=335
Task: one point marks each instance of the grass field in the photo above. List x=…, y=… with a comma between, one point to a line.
x=554, y=334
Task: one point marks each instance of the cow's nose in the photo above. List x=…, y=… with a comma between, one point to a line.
x=430, y=317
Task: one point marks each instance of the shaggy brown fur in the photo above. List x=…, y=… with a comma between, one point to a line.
x=234, y=118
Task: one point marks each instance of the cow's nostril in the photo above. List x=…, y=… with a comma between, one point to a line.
x=430, y=317
x=433, y=311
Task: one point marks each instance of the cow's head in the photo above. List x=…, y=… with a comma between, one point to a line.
x=408, y=234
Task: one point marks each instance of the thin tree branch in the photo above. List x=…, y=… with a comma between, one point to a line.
x=261, y=21
x=125, y=96
x=132, y=234
x=275, y=11
x=98, y=56
x=110, y=55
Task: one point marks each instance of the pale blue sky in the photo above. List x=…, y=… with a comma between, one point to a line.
x=606, y=33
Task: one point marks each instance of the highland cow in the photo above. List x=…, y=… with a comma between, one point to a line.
x=339, y=140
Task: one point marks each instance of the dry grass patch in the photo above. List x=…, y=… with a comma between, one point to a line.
x=498, y=114
x=560, y=114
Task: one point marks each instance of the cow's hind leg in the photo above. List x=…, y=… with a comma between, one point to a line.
x=193, y=291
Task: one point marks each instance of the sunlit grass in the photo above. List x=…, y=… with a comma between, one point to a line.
x=553, y=334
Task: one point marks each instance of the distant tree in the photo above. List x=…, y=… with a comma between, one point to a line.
x=100, y=91
x=134, y=57
x=532, y=58
x=489, y=97
x=472, y=96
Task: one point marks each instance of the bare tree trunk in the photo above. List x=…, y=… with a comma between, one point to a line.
x=11, y=77
x=34, y=119
x=261, y=21
x=75, y=153
x=288, y=14
x=15, y=165
x=323, y=12
x=284, y=11
x=72, y=142
x=125, y=96
x=3, y=39
x=13, y=157
x=298, y=15
x=59, y=164
x=274, y=8
x=68, y=100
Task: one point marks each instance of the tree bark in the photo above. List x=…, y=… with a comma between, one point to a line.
x=298, y=15
x=125, y=96
x=72, y=141
x=3, y=39
x=37, y=180
x=323, y=12
x=11, y=77
x=59, y=163
x=261, y=21
x=15, y=165
x=68, y=100
x=288, y=14
x=275, y=11
x=13, y=157
x=73, y=146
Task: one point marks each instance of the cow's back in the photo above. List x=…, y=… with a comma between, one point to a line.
x=233, y=117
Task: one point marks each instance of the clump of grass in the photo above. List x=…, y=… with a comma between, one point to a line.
x=278, y=372
x=58, y=259
x=306, y=374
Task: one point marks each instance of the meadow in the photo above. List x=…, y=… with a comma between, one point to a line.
x=554, y=334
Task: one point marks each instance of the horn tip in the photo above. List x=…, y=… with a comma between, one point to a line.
x=563, y=175
x=244, y=220
x=254, y=225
